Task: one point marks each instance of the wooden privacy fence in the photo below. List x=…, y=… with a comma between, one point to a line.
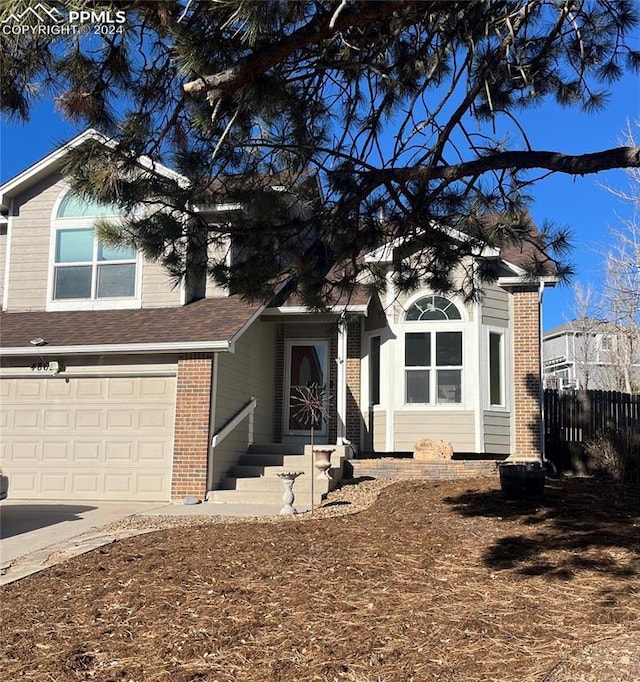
x=573, y=418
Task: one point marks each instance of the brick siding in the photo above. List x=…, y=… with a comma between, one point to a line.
x=354, y=414
x=526, y=372
x=191, y=437
x=406, y=468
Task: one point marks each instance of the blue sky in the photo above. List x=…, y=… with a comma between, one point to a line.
x=579, y=203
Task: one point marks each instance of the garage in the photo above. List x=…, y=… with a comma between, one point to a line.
x=89, y=437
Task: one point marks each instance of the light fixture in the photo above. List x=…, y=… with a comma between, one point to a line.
x=38, y=342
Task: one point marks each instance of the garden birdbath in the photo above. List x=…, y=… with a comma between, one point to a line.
x=288, y=478
x=322, y=461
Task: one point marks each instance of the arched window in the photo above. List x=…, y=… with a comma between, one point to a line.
x=433, y=352
x=84, y=267
x=73, y=206
x=433, y=308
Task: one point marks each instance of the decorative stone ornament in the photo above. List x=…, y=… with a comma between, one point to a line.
x=429, y=450
x=322, y=461
x=288, y=478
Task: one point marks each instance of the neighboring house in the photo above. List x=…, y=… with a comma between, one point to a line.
x=591, y=354
x=117, y=385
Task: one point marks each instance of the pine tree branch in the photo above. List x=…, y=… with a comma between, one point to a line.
x=580, y=164
x=317, y=30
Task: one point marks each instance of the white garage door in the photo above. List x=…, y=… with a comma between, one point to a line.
x=88, y=438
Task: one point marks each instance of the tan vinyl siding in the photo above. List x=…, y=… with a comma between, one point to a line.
x=497, y=433
x=241, y=375
x=556, y=349
x=98, y=365
x=30, y=239
x=30, y=246
x=379, y=435
x=495, y=306
x=215, y=291
x=376, y=317
x=456, y=427
x=401, y=303
x=216, y=253
x=158, y=290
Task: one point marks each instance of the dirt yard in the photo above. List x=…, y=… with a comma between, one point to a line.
x=435, y=581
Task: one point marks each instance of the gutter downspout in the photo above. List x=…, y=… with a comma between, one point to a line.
x=543, y=453
x=341, y=379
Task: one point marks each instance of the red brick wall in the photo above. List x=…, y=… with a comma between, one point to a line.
x=354, y=415
x=526, y=371
x=191, y=437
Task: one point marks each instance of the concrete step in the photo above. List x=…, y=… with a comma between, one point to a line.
x=247, y=471
x=276, y=448
x=253, y=472
x=270, y=483
x=267, y=459
x=253, y=480
x=302, y=497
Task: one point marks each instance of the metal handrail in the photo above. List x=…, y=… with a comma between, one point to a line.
x=231, y=424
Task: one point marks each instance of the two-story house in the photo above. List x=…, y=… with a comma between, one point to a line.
x=116, y=384
x=592, y=354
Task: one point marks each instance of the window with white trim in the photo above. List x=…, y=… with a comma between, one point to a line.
x=606, y=342
x=433, y=352
x=374, y=370
x=496, y=369
x=84, y=267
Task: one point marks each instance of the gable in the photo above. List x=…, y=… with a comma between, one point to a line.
x=30, y=202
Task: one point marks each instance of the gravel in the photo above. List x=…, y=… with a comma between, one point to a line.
x=350, y=497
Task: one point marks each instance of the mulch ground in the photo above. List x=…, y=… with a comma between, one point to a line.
x=435, y=581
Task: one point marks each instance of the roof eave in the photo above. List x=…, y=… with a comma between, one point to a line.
x=120, y=348
x=360, y=308
x=519, y=281
x=44, y=166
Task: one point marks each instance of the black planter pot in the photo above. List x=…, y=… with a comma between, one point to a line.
x=523, y=481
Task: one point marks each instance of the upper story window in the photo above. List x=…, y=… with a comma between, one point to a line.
x=84, y=267
x=433, y=352
x=433, y=308
x=606, y=342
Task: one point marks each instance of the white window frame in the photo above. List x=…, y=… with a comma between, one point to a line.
x=434, y=327
x=111, y=303
x=606, y=343
x=369, y=369
x=502, y=333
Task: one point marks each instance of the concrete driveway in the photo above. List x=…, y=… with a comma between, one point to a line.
x=32, y=534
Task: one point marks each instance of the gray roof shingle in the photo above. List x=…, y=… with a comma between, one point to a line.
x=208, y=320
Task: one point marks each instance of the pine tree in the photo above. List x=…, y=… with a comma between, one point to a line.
x=337, y=126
